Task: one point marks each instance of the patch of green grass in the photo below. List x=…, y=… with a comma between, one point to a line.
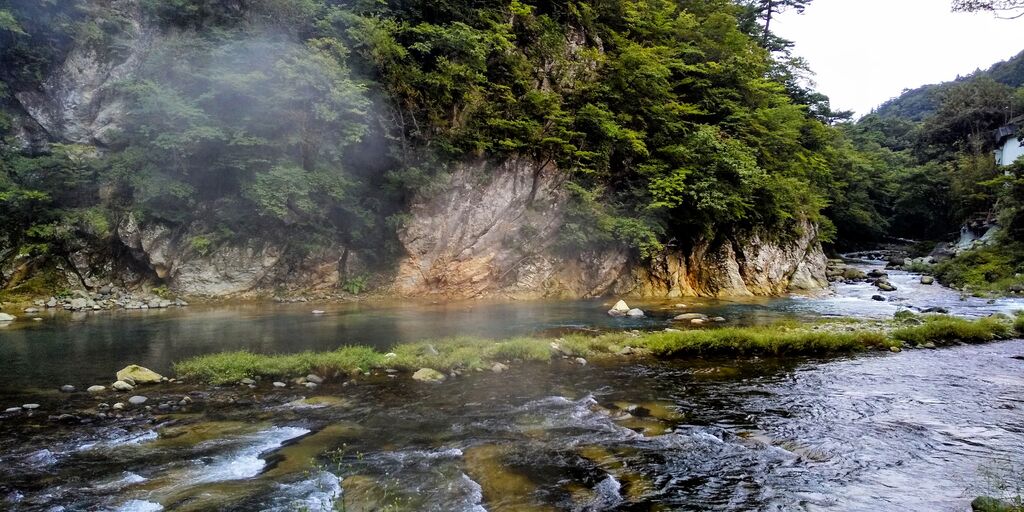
x=227, y=367
x=469, y=353
x=946, y=329
x=744, y=341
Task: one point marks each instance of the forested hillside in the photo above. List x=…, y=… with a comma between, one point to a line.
x=314, y=124
x=921, y=102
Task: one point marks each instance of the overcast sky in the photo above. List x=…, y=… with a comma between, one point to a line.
x=864, y=52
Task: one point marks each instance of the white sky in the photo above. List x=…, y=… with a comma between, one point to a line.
x=864, y=52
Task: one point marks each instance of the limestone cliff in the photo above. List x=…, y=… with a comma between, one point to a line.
x=493, y=231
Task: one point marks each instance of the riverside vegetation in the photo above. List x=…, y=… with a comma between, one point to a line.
x=471, y=354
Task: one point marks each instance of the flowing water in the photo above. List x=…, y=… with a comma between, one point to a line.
x=921, y=430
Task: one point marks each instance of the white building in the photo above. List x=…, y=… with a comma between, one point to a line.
x=1008, y=147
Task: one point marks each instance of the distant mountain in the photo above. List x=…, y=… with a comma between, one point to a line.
x=916, y=104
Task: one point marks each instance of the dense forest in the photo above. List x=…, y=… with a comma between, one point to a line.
x=317, y=121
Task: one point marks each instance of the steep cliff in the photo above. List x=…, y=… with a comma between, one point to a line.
x=494, y=231
x=288, y=208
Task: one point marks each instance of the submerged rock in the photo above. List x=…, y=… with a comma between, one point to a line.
x=927, y=280
x=139, y=374
x=428, y=375
x=4, y=317
x=29, y=407
x=939, y=310
x=67, y=388
x=690, y=316
x=635, y=313
x=499, y=367
x=879, y=298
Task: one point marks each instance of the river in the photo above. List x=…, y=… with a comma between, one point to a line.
x=920, y=430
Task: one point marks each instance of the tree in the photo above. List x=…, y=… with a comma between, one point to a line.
x=1013, y=9
x=766, y=10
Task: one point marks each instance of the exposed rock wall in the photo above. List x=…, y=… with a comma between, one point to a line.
x=77, y=101
x=494, y=228
x=231, y=269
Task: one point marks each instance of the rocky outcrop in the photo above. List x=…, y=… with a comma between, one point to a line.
x=77, y=102
x=230, y=269
x=493, y=230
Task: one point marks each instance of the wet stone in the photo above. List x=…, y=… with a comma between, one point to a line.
x=29, y=407
x=67, y=388
x=137, y=400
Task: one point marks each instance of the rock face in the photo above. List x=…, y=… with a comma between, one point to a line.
x=77, y=103
x=493, y=231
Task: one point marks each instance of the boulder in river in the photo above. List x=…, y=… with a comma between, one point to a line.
x=122, y=386
x=619, y=309
x=879, y=298
x=938, y=310
x=96, y=389
x=927, y=280
x=990, y=504
x=29, y=407
x=428, y=375
x=635, y=313
x=67, y=388
x=4, y=317
x=884, y=285
x=139, y=374
x=853, y=274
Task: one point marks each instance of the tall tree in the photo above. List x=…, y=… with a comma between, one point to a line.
x=767, y=10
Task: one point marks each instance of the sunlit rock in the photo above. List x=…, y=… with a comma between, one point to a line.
x=428, y=375
x=139, y=374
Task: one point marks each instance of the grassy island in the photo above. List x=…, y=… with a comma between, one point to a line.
x=783, y=339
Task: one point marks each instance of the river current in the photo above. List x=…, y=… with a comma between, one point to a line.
x=920, y=430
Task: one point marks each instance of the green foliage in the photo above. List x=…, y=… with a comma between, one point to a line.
x=996, y=268
x=356, y=284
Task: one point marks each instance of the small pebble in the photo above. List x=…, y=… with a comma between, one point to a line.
x=67, y=388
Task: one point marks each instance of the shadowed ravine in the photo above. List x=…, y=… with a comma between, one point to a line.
x=915, y=431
